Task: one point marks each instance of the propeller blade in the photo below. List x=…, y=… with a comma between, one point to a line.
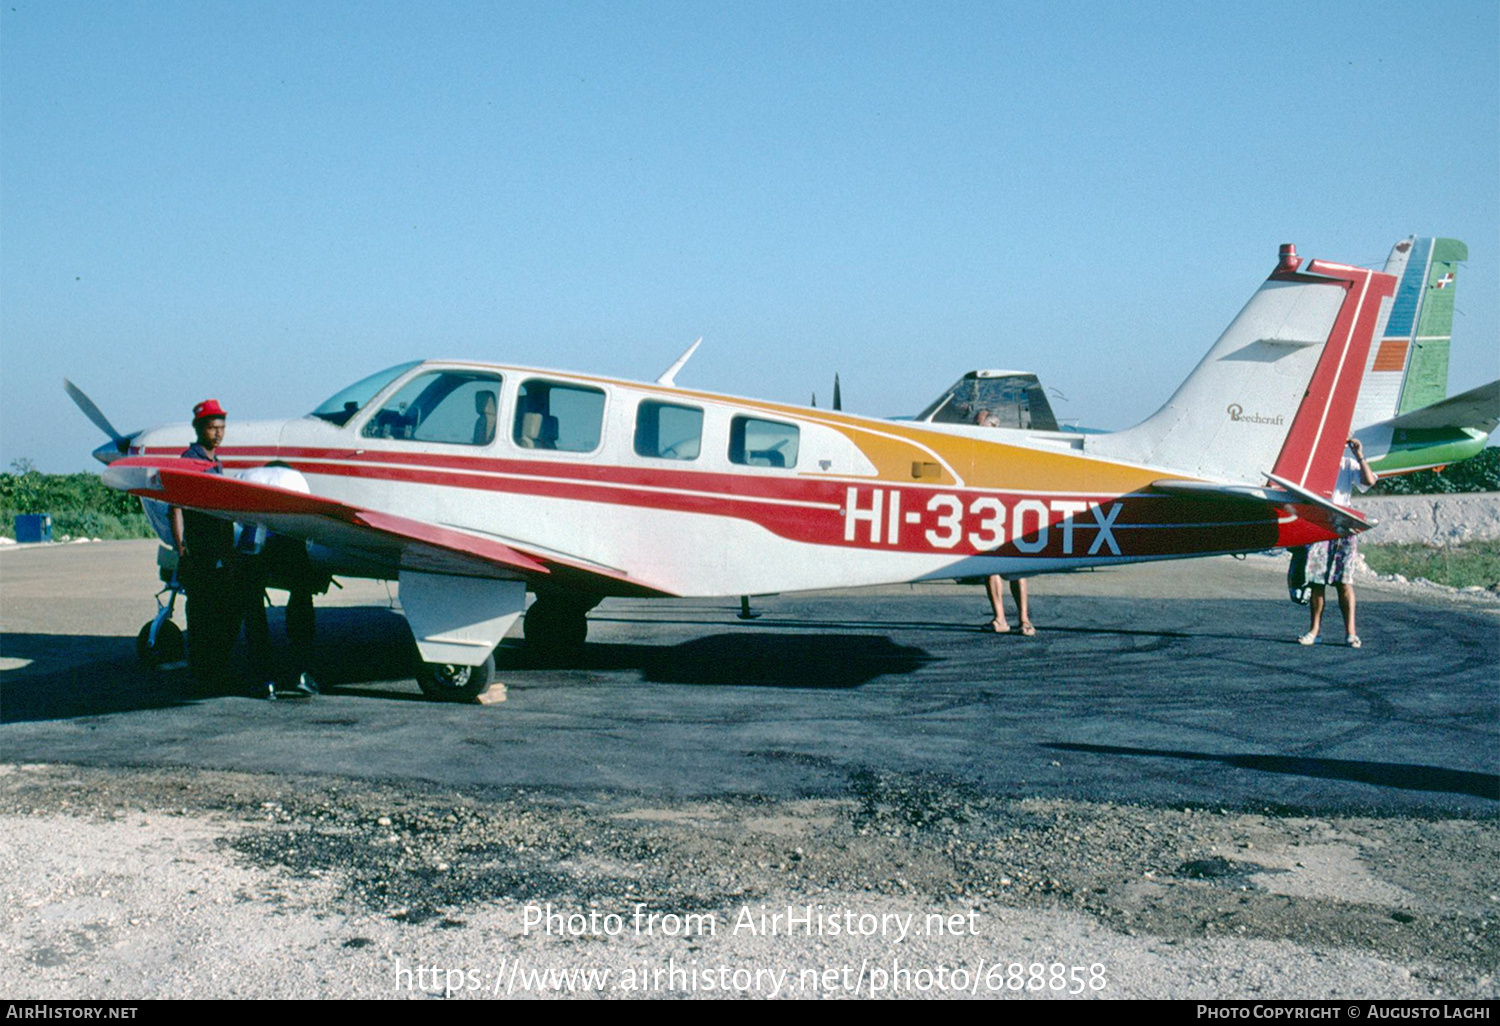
x=838, y=400
x=118, y=444
x=91, y=411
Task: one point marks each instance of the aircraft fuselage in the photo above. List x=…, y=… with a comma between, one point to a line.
x=754, y=497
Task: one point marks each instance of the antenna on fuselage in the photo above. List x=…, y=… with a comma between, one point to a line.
x=669, y=375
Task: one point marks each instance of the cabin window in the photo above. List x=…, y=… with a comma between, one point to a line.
x=563, y=418
x=762, y=443
x=451, y=406
x=666, y=431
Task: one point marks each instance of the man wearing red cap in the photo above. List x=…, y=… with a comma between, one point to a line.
x=205, y=551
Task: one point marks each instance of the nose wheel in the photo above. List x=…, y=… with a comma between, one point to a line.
x=161, y=641
x=166, y=646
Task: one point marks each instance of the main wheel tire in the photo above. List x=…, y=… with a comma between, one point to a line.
x=448, y=682
x=556, y=629
x=169, y=646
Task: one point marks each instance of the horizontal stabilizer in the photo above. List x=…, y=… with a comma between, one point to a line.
x=1478, y=408
x=1333, y=516
x=1314, y=508
x=1213, y=490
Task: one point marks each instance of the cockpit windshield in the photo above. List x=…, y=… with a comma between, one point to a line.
x=349, y=401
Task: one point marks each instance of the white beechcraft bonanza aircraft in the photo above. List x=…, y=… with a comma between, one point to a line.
x=474, y=483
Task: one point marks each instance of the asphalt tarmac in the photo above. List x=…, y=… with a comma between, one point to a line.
x=1170, y=685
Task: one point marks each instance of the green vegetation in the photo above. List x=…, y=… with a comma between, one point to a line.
x=81, y=505
x=1478, y=474
x=1458, y=566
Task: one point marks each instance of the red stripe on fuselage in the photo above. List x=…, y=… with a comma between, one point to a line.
x=930, y=519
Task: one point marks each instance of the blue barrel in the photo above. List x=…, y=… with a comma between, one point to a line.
x=33, y=527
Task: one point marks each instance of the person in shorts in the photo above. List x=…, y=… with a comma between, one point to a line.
x=1332, y=562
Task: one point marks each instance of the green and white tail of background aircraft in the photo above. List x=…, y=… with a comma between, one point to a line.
x=1405, y=417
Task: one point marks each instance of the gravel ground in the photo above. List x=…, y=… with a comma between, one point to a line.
x=127, y=883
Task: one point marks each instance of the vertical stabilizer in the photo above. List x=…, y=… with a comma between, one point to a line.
x=1314, y=446
x=1277, y=390
x=1408, y=366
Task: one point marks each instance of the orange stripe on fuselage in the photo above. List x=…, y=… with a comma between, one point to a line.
x=893, y=447
x=902, y=452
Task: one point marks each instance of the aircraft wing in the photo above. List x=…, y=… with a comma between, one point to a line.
x=381, y=540
x=1478, y=408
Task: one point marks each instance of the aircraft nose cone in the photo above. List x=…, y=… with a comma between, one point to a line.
x=112, y=450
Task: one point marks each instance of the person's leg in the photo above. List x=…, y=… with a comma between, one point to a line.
x=1018, y=592
x=301, y=627
x=996, y=590
x=222, y=628
x=198, y=608
x=1346, y=606
x=257, y=631
x=1315, y=606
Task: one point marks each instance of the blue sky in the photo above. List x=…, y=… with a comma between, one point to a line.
x=263, y=202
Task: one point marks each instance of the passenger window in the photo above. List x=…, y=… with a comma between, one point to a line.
x=454, y=407
x=762, y=443
x=564, y=418
x=664, y=431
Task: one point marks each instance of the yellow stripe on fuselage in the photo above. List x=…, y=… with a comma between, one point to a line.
x=897, y=448
x=974, y=462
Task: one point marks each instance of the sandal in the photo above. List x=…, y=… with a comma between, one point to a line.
x=1310, y=638
x=996, y=627
x=1353, y=641
x=1027, y=629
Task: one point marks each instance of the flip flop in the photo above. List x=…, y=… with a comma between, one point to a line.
x=990, y=627
x=1027, y=629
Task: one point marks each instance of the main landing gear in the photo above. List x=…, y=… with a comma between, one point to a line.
x=447, y=682
x=556, y=627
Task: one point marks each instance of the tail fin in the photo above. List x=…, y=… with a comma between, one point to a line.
x=1277, y=390
x=1408, y=368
